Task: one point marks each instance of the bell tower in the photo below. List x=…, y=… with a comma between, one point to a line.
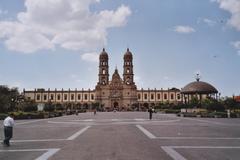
x=128, y=68
x=103, y=68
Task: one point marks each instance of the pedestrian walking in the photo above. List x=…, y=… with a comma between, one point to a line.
x=8, y=124
x=95, y=112
x=150, y=110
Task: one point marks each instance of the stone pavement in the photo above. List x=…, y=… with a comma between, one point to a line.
x=124, y=136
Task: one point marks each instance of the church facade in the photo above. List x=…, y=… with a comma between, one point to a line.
x=115, y=93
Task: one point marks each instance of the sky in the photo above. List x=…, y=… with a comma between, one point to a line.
x=56, y=43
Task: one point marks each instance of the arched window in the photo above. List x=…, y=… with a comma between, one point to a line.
x=128, y=70
x=103, y=71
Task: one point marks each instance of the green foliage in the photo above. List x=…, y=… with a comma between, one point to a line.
x=194, y=102
x=59, y=107
x=49, y=107
x=8, y=97
x=213, y=105
x=231, y=103
x=96, y=105
x=28, y=115
x=172, y=106
x=29, y=106
x=175, y=111
x=3, y=115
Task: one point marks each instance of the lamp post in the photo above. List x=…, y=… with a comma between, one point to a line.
x=12, y=105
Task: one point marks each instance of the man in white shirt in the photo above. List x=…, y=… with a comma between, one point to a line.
x=8, y=124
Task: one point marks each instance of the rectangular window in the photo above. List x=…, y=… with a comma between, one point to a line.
x=165, y=96
x=178, y=96
x=79, y=96
x=52, y=96
x=38, y=97
x=145, y=96
x=85, y=96
x=58, y=97
x=158, y=96
x=45, y=97
x=172, y=96
x=65, y=96
x=152, y=96
x=92, y=96
x=139, y=96
x=72, y=96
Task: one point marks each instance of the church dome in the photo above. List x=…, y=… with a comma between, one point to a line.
x=128, y=54
x=103, y=54
x=199, y=87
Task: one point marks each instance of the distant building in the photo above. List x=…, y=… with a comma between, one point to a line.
x=117, y=93
x=236, y=98
x=199, y=90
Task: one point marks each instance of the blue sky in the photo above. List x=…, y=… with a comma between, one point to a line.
x=55, y=44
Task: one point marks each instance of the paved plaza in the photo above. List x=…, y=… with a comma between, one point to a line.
x=124, y=136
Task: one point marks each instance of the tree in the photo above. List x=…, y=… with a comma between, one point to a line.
x=59, y=107
x=213, y=105
x=231, y=103
x=29, y=106
x=194, y=102
x=8, y=98
x=49, y=107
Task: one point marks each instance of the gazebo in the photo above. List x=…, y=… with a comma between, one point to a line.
x=199, y=90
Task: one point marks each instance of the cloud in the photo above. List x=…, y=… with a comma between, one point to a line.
x=166, y=78
x=3, y=12
x=207, y=21
x=90, y=57
x=236, y=45
x=184, y=29
x=232, y=6
x=47, y=24
x=73, y=76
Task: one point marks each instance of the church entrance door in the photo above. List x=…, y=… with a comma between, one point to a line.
x=115, y=105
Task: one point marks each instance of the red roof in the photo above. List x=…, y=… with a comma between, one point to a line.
x=237, y=98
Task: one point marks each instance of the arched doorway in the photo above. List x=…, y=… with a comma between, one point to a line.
x=115, y=105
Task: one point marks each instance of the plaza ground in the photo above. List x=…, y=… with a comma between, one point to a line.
x=124, y=136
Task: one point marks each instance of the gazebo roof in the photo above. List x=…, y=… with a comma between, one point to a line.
x=199, y=87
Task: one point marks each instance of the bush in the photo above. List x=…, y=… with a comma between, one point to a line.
x=49, y=108
x=3, y=116
x=59, y=107
x=221, y=114
x=175, y=111
x=30, y=108
x=28, y=115
x=187, y=114
x=213, y=105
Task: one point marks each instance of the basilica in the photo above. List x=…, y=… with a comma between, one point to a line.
x=115, y=92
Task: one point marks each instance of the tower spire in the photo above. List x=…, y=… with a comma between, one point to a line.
x=128, y=68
